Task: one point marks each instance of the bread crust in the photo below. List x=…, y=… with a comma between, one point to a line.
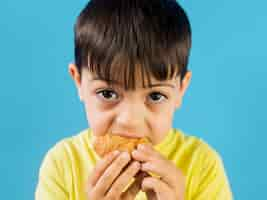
x=108, y=143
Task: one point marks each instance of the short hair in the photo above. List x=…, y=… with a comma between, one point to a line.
x=117, y=38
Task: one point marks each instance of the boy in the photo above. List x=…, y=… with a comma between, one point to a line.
x=135, y=51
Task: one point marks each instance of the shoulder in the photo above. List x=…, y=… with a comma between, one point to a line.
x=58, y=159
x=206, y=169
x=59, y=166
x=197, y=147
x=198, y=158
x=68, y=146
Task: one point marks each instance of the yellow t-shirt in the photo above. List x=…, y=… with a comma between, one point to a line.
x=67, y=165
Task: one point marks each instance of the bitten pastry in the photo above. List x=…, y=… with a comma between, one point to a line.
x=108, y=143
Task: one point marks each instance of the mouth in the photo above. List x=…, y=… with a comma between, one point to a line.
x=129, y=135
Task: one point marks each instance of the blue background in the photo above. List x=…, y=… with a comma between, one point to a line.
x=225, y=103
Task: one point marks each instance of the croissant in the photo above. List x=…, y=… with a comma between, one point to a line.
x=108, y=143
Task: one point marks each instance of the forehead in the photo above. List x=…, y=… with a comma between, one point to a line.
x=171, y=82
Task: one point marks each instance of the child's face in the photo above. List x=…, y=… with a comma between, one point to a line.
x=144, y=112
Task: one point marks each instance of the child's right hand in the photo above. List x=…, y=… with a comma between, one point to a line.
x=108, y=178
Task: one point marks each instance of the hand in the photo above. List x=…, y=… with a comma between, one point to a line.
x=170, y=185
x=110, y=177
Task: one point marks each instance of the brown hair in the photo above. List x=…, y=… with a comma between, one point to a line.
x=117, y=38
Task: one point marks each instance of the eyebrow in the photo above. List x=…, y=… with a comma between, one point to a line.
x=117, y=83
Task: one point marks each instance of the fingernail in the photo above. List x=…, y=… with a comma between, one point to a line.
x=134, y=151
x=136, y=164
x=125, y=155
x=141, y=146
x=116, y=152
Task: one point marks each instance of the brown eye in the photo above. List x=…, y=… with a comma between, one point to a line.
x=107, y=95
x=157, y=97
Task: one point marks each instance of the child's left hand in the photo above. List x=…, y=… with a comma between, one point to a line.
x=170, y=185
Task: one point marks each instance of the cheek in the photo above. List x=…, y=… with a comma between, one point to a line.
x=98, y=121
x=160, y=126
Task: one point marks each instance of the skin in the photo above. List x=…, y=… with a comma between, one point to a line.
x=133, y=113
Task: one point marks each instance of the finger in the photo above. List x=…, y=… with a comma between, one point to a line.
x=161, y=189
x=141, y=175
x=123, y=180
x=112, y=172
x=145, y=157
x=134, y=188
x=157, y=165
x=149, y=149
x=166, y=170
x=101, y=167
x=145, y=153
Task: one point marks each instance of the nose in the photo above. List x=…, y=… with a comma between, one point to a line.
x=130, y=117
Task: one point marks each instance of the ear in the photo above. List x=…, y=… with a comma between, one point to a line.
x=183, y=87
x=74, y=73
